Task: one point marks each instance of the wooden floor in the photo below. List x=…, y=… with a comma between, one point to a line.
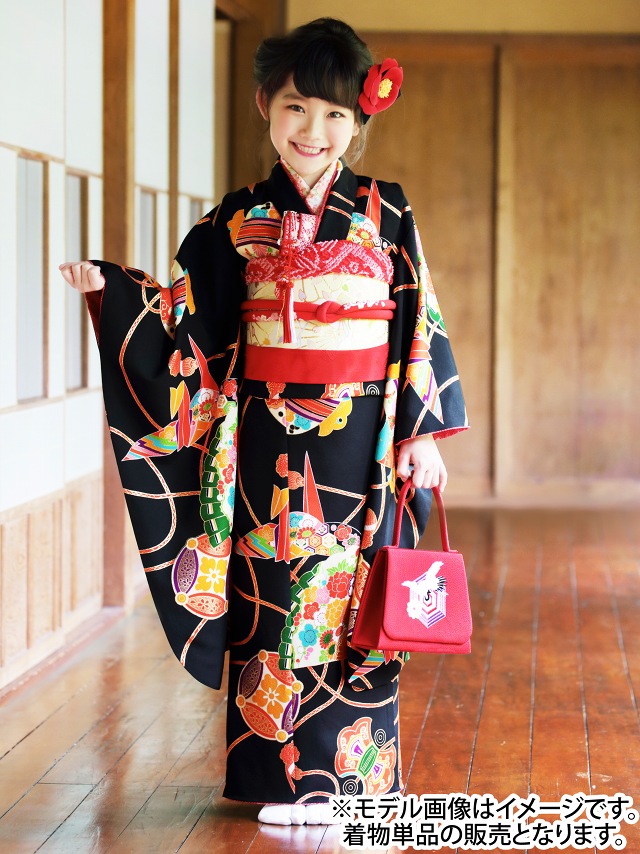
x=118, y=750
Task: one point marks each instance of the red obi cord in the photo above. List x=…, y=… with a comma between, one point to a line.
x=288, y=365
x=324, y=312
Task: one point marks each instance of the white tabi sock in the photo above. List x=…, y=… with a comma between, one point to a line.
x=286, y=814
x=298, y=814
x=275, y=814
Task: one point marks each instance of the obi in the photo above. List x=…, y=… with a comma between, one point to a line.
x=317, y=312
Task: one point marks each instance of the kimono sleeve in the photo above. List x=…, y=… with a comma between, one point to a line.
x=168, y=359
x=430, y=395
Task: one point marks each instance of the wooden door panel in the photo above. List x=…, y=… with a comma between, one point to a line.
x=574, y=348
x=437, y=141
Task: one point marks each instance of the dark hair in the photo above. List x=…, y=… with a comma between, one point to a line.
x=326, y=58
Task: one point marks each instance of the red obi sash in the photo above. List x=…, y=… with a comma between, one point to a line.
x=286, y=365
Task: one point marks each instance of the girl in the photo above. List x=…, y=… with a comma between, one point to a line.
x=261, y=407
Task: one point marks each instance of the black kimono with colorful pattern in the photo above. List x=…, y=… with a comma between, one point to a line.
x=255, y=405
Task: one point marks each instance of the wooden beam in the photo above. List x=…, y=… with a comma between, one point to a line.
x=233, y=9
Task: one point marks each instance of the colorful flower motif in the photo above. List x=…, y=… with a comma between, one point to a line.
x=212, y=575
x=342, y=532
x=322, y=595
x=339, y=585
x=308, y=635
x=272, y=695
x=335, y=612
x=304, y=532
x=264, y=531
x=282, y=465
x=364, y=238
x=229, y=388
x=310, y=610
x=326, y=639
x=311, y=595
x=227, y=473
x=313, y=607
x=202, y=405
x=362, y=231
x=381, y=88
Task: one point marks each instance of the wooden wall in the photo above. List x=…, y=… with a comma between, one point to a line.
x=521, y=159
x=570, y=173
x=51, y=580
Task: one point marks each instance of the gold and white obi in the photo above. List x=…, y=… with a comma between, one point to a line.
x=314, y=328
x=308, y=298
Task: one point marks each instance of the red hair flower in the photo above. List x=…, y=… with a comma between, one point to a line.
x=381, y=88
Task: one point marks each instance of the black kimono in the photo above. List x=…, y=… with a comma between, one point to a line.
x=255, y=406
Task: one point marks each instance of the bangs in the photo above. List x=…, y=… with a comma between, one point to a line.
x=326, y=74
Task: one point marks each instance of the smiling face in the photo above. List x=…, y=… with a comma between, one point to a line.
x=308, y=133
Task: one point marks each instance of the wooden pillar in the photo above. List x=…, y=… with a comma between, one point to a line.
x=118, y=214
x=174, y=124
x=251, y=150
x=503, y=265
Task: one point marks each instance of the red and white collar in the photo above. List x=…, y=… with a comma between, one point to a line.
x=314, y=196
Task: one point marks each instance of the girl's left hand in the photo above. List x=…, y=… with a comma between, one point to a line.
x=428, y=467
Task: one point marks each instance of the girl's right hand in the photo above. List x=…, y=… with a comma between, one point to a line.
x=82, y=275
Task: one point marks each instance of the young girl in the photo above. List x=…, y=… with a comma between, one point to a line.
x=261, y=407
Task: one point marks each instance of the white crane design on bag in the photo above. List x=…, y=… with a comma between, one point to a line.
x=422, y=605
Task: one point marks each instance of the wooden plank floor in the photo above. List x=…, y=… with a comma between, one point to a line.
x=118, y=750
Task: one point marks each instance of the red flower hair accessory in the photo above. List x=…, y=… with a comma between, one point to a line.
x=381, y=88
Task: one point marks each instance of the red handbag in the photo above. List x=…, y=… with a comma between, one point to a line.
x=414, y=600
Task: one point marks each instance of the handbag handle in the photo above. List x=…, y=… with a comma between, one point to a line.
x=444, y=534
